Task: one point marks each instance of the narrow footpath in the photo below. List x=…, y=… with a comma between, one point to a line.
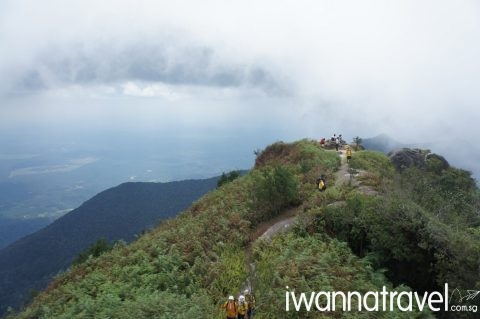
x=284, y=222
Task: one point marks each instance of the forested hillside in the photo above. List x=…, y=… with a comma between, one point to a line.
x=119, y=213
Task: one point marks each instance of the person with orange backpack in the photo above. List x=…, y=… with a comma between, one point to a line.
x=231, y=308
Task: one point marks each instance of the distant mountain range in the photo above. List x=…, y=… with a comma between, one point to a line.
x=382, y=143
x=119, y=213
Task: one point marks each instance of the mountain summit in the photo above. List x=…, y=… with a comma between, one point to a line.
x=373, y=227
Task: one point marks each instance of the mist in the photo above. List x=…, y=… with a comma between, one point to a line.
x=263, y=71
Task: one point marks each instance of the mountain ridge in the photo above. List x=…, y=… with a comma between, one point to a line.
x=407, y=235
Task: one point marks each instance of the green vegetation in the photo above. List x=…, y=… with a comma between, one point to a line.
x=95, y=250
x=380, y=171
x=373, y=162
x=119, y=213
x=357, y=141
x=313, y=263
x=227, y=178
x=344, y=240
x=274, y=189
x=423, y=230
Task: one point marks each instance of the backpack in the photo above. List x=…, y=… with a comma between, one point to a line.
x=250, y=300
x=242, y=308
x=321, y=185
x=231, y=308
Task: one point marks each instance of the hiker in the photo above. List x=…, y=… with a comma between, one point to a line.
x=242, y=307
x=337, y=143
x=230, y=307
x=322, y=142
x=349, y=154
x=251, y=303
x=334, y=137
x=322, y=185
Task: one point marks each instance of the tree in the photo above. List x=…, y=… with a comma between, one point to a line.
x=275, y=189
x=96, y=249
x=227, y=178
x=358, y=141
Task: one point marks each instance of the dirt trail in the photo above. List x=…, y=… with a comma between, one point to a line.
x=285, y=221
x=274, y=225
x=279, y=227
x=265, y=231
x=343, y=176
x=346, y=176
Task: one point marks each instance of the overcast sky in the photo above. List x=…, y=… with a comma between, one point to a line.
x=410, y=69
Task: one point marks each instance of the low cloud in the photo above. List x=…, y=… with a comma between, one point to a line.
x=159, y=61
x=50, y=169
x=406, y=68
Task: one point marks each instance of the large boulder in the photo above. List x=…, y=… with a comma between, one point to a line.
x=423, y=159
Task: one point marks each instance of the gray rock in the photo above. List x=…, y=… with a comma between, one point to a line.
x=407, y=157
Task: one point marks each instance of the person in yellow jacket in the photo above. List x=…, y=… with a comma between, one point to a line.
x=242, y=307
x=321, y=184
x=349, y=154
x=231, y=308
x=250, y=298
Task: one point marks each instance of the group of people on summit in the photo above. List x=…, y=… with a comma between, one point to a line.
x=243, y=308
x=337, y=141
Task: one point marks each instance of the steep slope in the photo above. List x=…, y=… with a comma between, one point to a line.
x=343, y=239
x=14, y=229
x=118, y=213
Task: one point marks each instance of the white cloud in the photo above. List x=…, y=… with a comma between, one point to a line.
x=152, y=90
x=407, y=68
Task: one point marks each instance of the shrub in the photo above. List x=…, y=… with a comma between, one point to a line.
x=374, y=162
x=274, y=189
x=96, y=249
x=358, y=142
x=227, y=178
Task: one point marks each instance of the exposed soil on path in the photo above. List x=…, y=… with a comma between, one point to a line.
x=265, y=231
x=347, y=176
x=281, y=226
x=269, y=228
x=344, y=176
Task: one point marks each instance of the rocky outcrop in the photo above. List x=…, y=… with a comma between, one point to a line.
x=407, y=157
